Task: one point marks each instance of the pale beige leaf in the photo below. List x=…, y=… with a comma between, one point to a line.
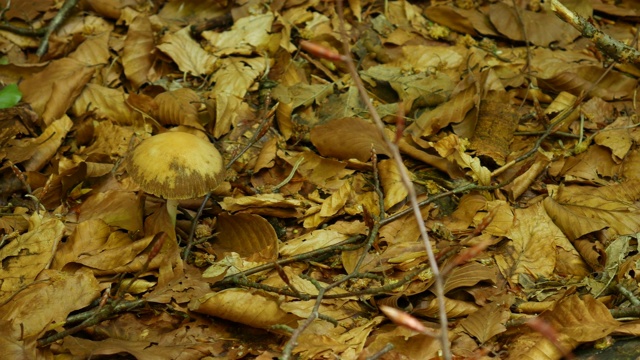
x=617, y=137
x=394, y=189
x=311, y=241
x=249, y=235
x=187, y=53
x=336, y=201
x=250, y=34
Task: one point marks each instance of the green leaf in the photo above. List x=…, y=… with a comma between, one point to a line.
x=10, y=96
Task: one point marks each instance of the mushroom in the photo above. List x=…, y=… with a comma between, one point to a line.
x=175, y=166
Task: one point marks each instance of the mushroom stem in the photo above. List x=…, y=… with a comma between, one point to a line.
x=172, y=209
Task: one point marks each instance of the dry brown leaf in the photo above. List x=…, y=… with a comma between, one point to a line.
x=94, y=51
x=311, y=241
x=233, y=79
x=88, y=236
x=249, y=35
x=454, y=308
x=68, y=291
x=404, y=229
x=467, y=209
x=523, y=182
x=122, y=209
x=462, y=20
x=532, y=251
x=336, y=201
x=109, y=139
x=587, y=78
x=327, y=174
x=542, y=28
x=137, y=55
x=187, y=53
x=107, y=103
x=254, y=309
x=452, y=111
x=267, y=156
x=488, y=321
x=40, y=242
x=416, y=90
x=575, y=320
x=617, y=137
x=179, y=107
x=38, y=151
x=348, y=344
x=251, y=236
x=595, y=165
x=407, y=344
x=579, y=210
x=468, y=275
x=497, y=121
x=395, y=191
x=52, y=91
x=362, y=135
x=268, y=204
x=453, y=148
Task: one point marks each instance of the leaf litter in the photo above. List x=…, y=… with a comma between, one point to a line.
x=524, y=159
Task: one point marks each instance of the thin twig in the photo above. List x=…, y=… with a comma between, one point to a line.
x=397, y=157
x=605, y=43
x=55, y=23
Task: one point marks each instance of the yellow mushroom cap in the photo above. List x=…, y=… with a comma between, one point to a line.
x=176, y=166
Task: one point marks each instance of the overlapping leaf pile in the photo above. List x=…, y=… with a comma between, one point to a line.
x=462, y=96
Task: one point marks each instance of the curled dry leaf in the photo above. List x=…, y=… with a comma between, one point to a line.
x=179, y=107
x=251, y=236
x=363, y=137
x=256, y=309
x=454, y=308
x=35, y=153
